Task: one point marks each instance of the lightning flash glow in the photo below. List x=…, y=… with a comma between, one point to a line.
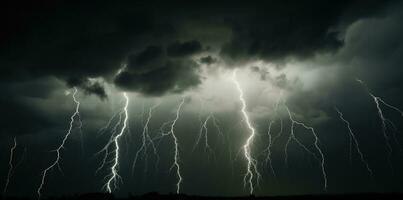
x=10, y=165
x=75, y=115
x=252, y=170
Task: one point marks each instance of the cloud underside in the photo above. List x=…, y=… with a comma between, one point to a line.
x=76, y=43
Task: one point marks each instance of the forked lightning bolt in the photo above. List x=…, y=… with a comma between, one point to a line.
x=75, y=115
x=113, y=177
x=146, y=139
x=316, y=144
x=357, y=147
x=252, y=162
x=271, y=139
x=378, y=101
x=10, y=166
x=105, y=150
x=204, y=131
x=171, y=132
x=176, y=155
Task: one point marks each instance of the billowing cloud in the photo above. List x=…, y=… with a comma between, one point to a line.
x=153, y=72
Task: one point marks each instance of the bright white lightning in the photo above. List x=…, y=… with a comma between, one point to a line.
x=171, y=132
x=176, y=155
x=10, y=166
x=75, y=115
x=252, y=163
x=146, y=139
x=105, y=150
x=316, y=144
x=114, y=176
x=357, y=147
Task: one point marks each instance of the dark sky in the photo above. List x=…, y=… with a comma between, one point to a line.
x=309, y=54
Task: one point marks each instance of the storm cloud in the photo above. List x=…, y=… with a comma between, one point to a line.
x=77, y=42
x=309, y=53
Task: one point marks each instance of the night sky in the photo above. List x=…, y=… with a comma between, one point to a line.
x=297, y=64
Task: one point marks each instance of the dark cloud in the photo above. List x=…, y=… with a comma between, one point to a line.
x=208, y=60
x=152, y=72
x=89, y=87
x=87, y=40
x=77, y=42
x=276, y=31
x=178, y=49
x=261, y=71
x=150, y=59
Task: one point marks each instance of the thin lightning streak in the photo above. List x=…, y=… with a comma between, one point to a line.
x=146, y=138
x=204, y=131
x=176, y=156
x=105, y=149
x=271, y=139
x=206, y=143
x=268, y=149
x=357, y=147
x=217, y=126
x=114, y=171
x=203, y=128
x=171, y=132
x=61, y=146
x=252, y=163
x=316, y=144
x=10, y=164
x=378, y=101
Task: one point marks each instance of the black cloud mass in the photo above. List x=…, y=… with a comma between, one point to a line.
x=79, y=41
x=152, y=72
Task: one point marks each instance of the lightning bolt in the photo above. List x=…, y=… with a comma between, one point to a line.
x=316, y=144
x=146, y=139
x=271, y=139
x=10, y=166
x=354, y=139
x=378, y=101
x=176, y=155
x=204, y=132
x=251, y=162
x=171, y=132
x=114, y=176
x=105, y=150
x=75, y=115
x=268, y=149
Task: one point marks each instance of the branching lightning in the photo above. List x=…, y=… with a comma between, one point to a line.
x=171, y=132
x=176, y=146
x=204, y=132
x=252, y=163
x=10, y=166
x=272, y=139
x=378, y=101
x=146, y=139
x=75, y=115
x=316, y=144
x=357, y=147
x=113, y=177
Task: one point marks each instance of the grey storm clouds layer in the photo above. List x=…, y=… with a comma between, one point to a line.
x=157, y=49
